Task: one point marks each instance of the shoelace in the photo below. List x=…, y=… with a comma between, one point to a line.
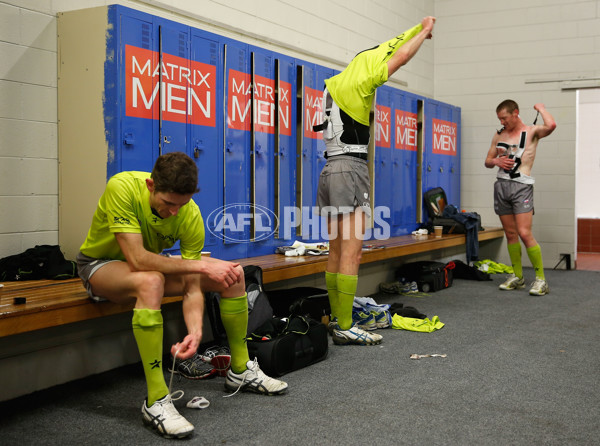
x=253, y=368
x=179, y=393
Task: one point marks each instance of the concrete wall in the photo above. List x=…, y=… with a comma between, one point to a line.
x=530, y=51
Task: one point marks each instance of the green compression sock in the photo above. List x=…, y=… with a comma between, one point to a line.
x=332, y=291
x=346, y=286
x=234, y=315
x=514, y=252
x=535, y=256
x=148, y=332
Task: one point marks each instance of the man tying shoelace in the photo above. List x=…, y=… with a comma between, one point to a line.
x=138, y=216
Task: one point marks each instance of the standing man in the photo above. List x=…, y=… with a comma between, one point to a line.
x=138, y=216
x=513, y=150
x=344, y=185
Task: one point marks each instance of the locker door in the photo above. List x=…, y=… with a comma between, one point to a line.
x=310, y=113
x=236, y=219
x=173, y=119
x=205, y=84
x=404, y=163
x=285, y=147
x=321, y=73
x=262, y=155
x=441, y=148
x=384, y=135
x=135, y=138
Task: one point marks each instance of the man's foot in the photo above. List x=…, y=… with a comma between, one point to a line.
x=355, y=335
x=194, y=368
x=331, y=325
x=164, y=418
x=364, y=320
x=539, y=287
x=254, y=380
x=512, y=283
x=219, y=357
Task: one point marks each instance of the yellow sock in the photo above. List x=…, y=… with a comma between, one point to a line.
x=346, y=286
x=148, y=333
x=234, y=315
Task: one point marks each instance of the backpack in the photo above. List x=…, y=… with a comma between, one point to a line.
x=259, y=309
x=40, y=262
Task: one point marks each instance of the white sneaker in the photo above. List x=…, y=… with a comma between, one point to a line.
x=355, y=335
x=539, y=287
x=254, y=380
x=512, y=283
x=164, y=418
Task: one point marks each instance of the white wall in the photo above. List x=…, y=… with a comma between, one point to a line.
x=588, y=154
x=329, y=33
x=486, y=52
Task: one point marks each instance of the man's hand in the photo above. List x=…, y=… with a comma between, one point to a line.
x=504, y=162
x=224, y=272
x=428, y=23
x=186, y=348
x=539, y=107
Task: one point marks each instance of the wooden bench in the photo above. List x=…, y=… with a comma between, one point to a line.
x=51, y=303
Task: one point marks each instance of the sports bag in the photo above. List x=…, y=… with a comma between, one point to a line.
x=259, y=308
x=282, y=345
x=430, y=276
x=40, y=262
x=302, y=301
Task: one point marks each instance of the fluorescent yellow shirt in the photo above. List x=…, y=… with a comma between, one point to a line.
x=125, y=207
x=354, y=88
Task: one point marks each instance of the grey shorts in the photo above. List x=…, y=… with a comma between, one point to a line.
x=512, y=197
x=344, y=185
x=86, y=267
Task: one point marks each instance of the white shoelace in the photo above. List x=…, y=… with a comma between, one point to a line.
x=179, y=393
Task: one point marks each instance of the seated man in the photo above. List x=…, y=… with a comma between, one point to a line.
x=138, y=216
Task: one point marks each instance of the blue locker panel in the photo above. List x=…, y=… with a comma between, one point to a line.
x=263, y=151
x=321, y=73
x=404, y=163
x=309, y=108
x=441, y=160
x=131, y=92
x=285, y=157
x=206, y=135
x=382, y=167
x=237, y=215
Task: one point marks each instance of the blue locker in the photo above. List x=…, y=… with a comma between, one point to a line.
x=382, y=169
x=285, y=155
x=263, y=151
x=441, y=158
x=149, y=110
x=404, y=163
x=206, y=135
x=237, y=214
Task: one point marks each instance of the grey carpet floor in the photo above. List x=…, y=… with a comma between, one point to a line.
x=520, y=370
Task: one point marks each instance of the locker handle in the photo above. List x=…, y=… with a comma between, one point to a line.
x=441, y=169
x=429, y=168
x=407, y=164
x=258, y=150
x=228, y=147
x=197, y=152
x=128, y=139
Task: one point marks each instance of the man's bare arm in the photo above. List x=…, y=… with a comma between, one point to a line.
x=410, y=48
x=140, y=259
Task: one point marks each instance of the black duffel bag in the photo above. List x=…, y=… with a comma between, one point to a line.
x=282, y=345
